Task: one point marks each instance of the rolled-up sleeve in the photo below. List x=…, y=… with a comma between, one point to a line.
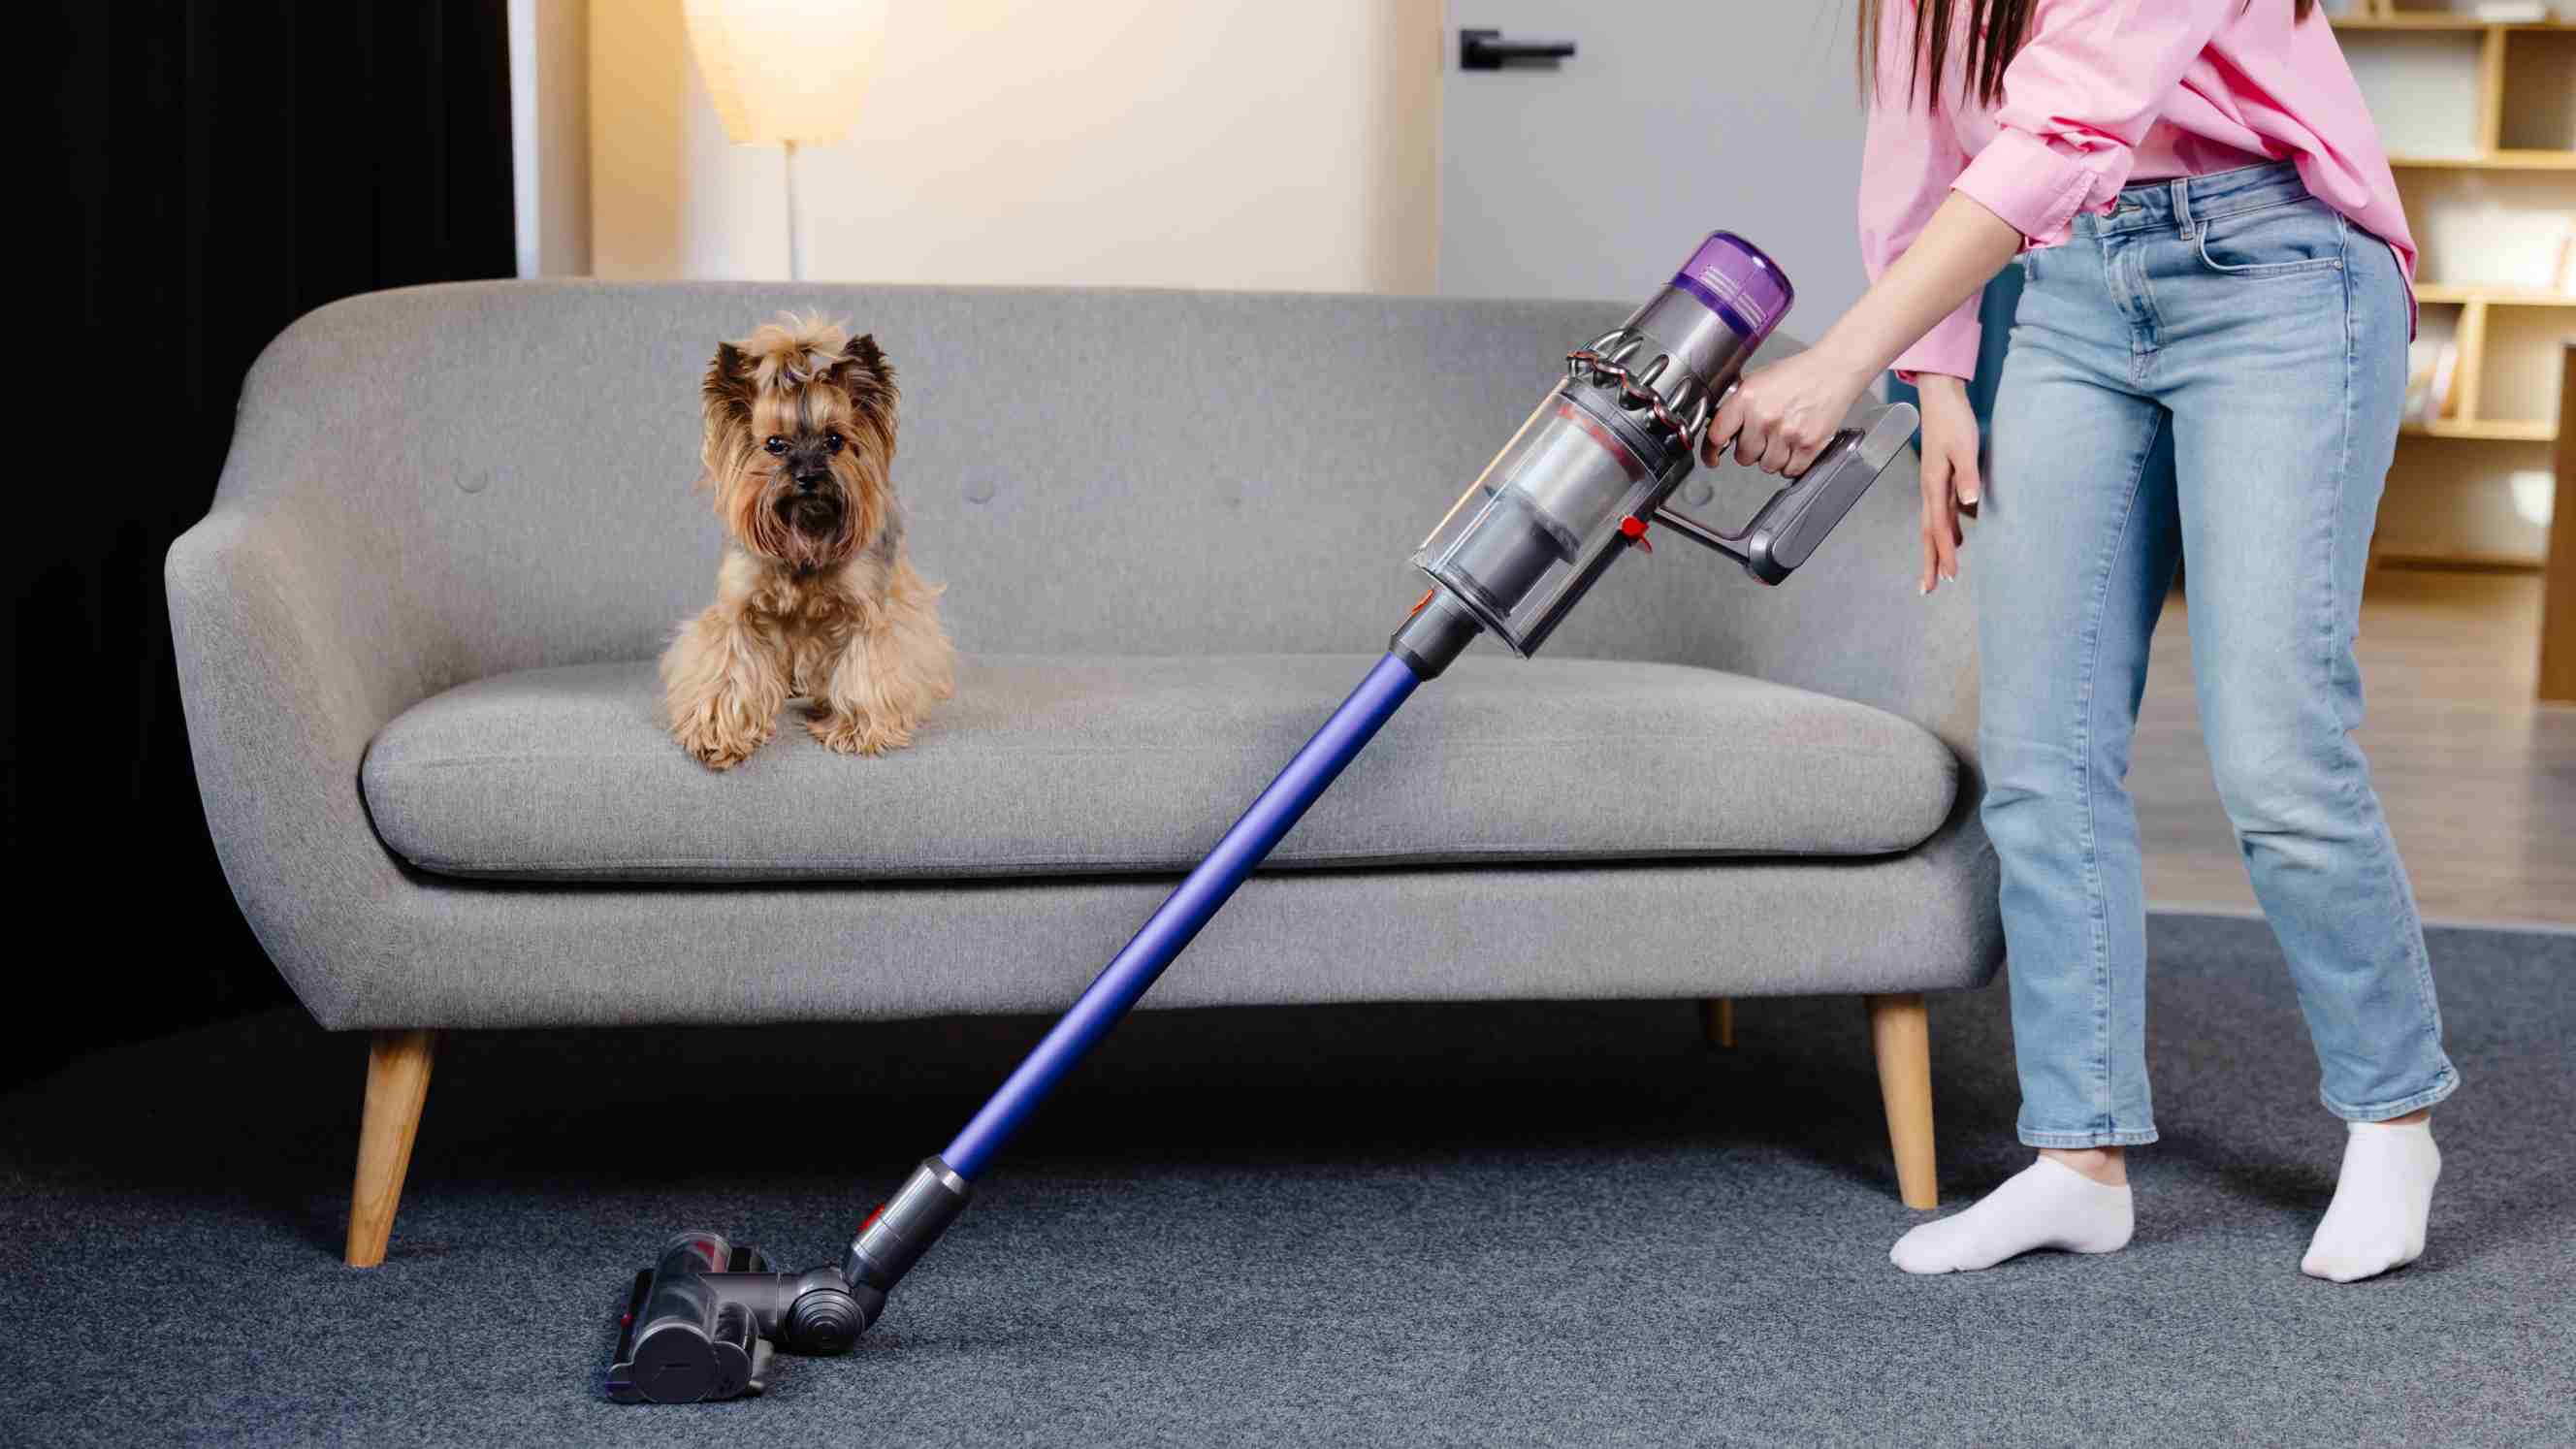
x=1909, y=158
x=2090, y=80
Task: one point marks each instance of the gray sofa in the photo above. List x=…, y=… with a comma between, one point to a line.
x=415, y=638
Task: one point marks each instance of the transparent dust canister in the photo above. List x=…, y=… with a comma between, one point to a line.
x=1520, y=545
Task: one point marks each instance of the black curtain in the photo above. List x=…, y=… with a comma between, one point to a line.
x=225, y=166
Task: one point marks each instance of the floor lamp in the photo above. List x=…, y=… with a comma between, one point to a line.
x=786, y=73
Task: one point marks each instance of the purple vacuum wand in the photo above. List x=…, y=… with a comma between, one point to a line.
x=1576, y=486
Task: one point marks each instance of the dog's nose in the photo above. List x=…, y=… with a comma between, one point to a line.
x=808, y=482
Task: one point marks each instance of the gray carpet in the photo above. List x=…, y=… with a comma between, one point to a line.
x=1474, y=1225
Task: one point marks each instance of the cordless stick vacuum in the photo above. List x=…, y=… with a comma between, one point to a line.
x=1577, y=486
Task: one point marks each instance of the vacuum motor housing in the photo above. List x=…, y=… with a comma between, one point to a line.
x=1607, y=446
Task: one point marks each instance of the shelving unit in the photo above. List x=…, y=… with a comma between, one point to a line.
x=2480, y=122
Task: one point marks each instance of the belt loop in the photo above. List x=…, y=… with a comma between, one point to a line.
x=2182, y=205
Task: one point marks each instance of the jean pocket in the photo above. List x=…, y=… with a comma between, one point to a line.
x=2272, y=241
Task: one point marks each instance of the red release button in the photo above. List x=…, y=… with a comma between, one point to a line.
x=1633, y=529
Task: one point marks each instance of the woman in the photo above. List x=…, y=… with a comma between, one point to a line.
x=2212, y=244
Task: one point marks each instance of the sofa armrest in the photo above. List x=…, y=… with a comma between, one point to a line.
x=1852, y=623
x=292, y=652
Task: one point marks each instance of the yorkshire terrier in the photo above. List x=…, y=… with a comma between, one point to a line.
x=816, y=596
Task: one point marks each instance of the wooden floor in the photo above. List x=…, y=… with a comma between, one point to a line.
x=2479, y=782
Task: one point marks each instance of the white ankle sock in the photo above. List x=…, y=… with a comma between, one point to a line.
x=2046, y=1205
x=2376, y=1221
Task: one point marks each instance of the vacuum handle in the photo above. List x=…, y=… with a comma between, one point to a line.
x=1784, y=532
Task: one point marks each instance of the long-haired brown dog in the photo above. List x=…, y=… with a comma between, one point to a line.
x=816, y=595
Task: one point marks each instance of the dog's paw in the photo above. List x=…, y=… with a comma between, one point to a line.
x=725, y=756
x=859, y=735
x=716, y=747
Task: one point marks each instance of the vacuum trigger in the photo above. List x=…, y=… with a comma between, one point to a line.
x=1633, y=529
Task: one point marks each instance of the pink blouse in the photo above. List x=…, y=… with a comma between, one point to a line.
x=2104, y=94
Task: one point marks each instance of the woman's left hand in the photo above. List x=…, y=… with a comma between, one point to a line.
x=1779, y=417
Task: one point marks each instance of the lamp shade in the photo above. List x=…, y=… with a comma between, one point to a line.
x=786, y=70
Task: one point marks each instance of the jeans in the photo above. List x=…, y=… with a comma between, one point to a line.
x=2268, y=333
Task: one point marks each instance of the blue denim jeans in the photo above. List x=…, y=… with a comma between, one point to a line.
x=2269, y=335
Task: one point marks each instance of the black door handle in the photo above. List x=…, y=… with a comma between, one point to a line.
x=1488, y=50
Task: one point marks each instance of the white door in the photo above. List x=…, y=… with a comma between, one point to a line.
x=1595, y=176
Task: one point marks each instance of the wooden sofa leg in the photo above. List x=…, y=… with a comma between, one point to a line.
x=1717, y=1018
x=397, y=1084
x=1900, y=1032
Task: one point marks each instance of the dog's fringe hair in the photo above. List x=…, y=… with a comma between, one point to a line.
x=792, y=351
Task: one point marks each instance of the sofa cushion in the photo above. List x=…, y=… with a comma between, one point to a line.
x=1048, y=766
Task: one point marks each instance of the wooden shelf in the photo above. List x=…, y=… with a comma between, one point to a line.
x=2492, y=161
x=2498, y=563
x=2431, y=20
x=2437, y=293
x=2558, y=604
x=2498, y=432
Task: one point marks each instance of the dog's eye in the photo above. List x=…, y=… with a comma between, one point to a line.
x=776, y=444
x=831, y=442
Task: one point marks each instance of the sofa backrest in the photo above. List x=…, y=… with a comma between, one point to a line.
x=1104, y=472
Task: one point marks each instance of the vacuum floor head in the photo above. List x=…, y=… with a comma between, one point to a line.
x=705, y=1321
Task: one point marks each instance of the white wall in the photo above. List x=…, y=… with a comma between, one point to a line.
x=1191, y=143
x=550, y=134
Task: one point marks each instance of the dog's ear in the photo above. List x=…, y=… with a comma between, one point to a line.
x=864, y=374
x=729, y=384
